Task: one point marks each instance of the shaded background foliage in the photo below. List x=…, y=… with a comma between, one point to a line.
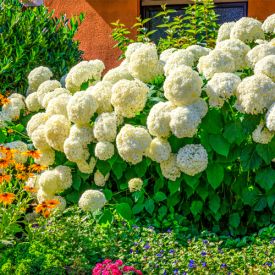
x=33, y=37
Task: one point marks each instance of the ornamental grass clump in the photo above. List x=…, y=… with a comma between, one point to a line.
x=194, y=138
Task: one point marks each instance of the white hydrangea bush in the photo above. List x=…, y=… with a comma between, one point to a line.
x=159, y=120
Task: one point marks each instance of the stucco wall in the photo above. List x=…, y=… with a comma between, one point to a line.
x=260, y=9
x=95, y=32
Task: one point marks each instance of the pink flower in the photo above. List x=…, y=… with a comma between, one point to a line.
x=119, y=262
x=106, y=272
x=127, y=268
x=107, y=261
x=138, y=272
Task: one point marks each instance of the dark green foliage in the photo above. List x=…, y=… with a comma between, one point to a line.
x=31, y=38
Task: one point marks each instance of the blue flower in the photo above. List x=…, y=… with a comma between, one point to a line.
x=169, y=230
x=204, y=264
x=131, y=251
x=191, y=264
x=205, y=241
x=176, y=271
x=223, y=265
x=171, y=251
x=164, y=273
x=268, y=264
x=159, y=255
x=146, y=246
x=136, y=251
x=203, y=253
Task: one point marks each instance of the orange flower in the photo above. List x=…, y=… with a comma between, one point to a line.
x=36, y=168
x=20, y=167
x=5, y=177
x=10, y=131
x=45, y=206
x=30, y=189
x=4, y=163
x=32, y=153
x=24, y=176
x=4, y=100
x=7, y=198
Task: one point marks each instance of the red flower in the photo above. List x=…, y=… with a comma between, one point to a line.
x=119, y=262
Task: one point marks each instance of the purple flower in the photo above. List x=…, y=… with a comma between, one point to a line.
x=131, y=251
x=176, y=271
x=192, y=264
x=203, y=253
x=159, y=255
x=204, y=264
x=151, y=227
x=146, y=246
x=268, y=264
x=164, y=273
x=169, y=230
x=136, y=251
x=171, y=251
x=223, y=265
x=205, y=242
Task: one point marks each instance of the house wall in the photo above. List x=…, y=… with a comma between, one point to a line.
x=260, y=9
x=95, y=32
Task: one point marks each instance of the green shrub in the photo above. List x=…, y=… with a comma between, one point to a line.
x=74, y=243
x=32, y=37
x=196, y=25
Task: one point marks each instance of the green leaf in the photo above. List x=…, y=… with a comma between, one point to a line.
x=141, y=168
x=250, y=195
x=174, y=186
x=219, y=144
x=19, y=128
x=196, y=207
x=234, y=133
x=106, y=217
x=192, y=181
x=162, y=212
x=149, y=206
x=261, y=204
x=118, y=169
x=234, y=220
x=249, y=158
x=124, y=210
x=212, y=122
x=215, y=174
x=270, y=200
x=202, y=191
x=2, y=136
x=108, y=194
x=266, y=151
x=159, y=196
x=266, y=178
x=214, y=203
x=138, y=208
x=103, y=166
x=76, y=181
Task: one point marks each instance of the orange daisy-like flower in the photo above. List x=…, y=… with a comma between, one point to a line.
x=45, y=206
x=30, y=189
x=5, y=178
x=24, y=176
x=4, y=100
x=7, y=198
x=32, y=153
x=10, y=131
x=20, y=167
x=36, y=168
x=4, y=163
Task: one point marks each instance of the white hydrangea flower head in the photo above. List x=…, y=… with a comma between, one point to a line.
x=185, y=120
x=105, y=127
x=49, y=181
x=57, y=129
x=104, y=150
x=100, y=179
x=266, y=66
x=261, y=41
x=92, y=200
x=45, y=88
x=37, y=76
x=164, y=56
x=247, y=30
x=14, y=107
x=18, y=96
x=20, y=147
x=182, y=86
x=198, y=51
x=236, y=49
x=38, y=138
x=216, y=62
x=221, y=87
x=75, y=151
x=224, y=31
x=192, y=159
x=102, y=92
x=33, y=182
x=132, y=143
x=261, y=134
x=129, y=97
x=32, y=103
x=82, y=134
x=85, y=167
x=81, y=107
x=83, y=72
x=258, y=53
x=42, y=196
x=58, y=105
x=255, y=94
x=135, y=184
x=169, y=168
x=159, y=118
x=178, y=58
x=270, y=118
x=35, y=121
x=3, y=119
x=269, y=24
x=56, y=93
x=131, y=49
x=46, y=158
x=116, y=74
x=65, y=174
x=17, y=100
x=159, y=150
x=144, y=63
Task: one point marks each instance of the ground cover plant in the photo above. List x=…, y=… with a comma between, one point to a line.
x=33, y=37
x=87, y=244
x=181, y=139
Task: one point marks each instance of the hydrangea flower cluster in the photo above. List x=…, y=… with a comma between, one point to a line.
x=97, y=123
